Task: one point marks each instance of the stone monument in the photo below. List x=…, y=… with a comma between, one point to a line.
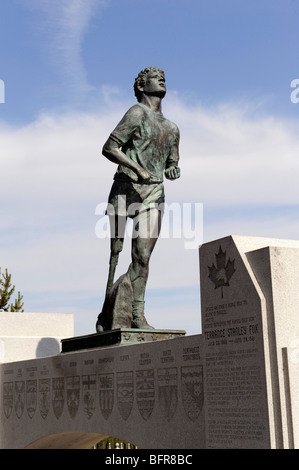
x=145, y=146
x=235, y=386
x=250, y=298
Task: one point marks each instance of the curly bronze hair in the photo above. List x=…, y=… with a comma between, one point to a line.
x=140, y=80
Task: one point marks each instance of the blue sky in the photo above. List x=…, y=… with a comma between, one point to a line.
x=68, y=67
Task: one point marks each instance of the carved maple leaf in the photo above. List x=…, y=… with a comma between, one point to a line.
x=223, y=271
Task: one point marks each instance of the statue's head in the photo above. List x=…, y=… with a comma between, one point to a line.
x=140, y=81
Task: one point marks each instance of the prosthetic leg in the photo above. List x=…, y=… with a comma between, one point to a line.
x=117, y=230
x=114, y=255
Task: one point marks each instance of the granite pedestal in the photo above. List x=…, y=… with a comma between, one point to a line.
x=117, y=337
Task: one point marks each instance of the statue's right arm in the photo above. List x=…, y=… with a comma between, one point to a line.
x=112, y=151
x=120, y=136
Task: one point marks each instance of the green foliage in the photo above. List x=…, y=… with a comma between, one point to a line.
x=114, y=443
x=6, y=291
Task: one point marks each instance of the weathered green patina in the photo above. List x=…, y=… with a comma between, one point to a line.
x=145, y=146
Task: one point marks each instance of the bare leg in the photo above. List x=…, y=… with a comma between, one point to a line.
x=146, y=231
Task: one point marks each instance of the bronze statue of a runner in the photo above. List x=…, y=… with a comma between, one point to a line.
x=145, y=146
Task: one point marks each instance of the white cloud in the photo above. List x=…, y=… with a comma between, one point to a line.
x=65, y=24
x=230, y=156
x=54, y=177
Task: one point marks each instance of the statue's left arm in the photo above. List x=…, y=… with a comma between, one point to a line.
x=172, y=171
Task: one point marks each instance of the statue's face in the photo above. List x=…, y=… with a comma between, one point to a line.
x=155, y=83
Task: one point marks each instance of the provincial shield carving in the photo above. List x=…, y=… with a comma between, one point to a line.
x=192, y=390
x=19, y=396
x=125, y=393
x=8, y=398
x=145, y=392
x=106, y=394
x=73, y=394
x=31, y=397
x=58, y=396
x=168, y=391
x=89, y=394
x=44, y=397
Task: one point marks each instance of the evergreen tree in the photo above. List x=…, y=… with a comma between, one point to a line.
x=6, y=291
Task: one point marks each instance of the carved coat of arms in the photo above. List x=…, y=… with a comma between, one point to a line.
x=145, y=392
x=106, y=394
x=31, y=397
x=89, y=394
x=58, y=391
x=168, y=391
x=125, y=393
x=19, y=397
x=73, y=394
x=192, y=390
x=8, y=398
x=44, y=386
